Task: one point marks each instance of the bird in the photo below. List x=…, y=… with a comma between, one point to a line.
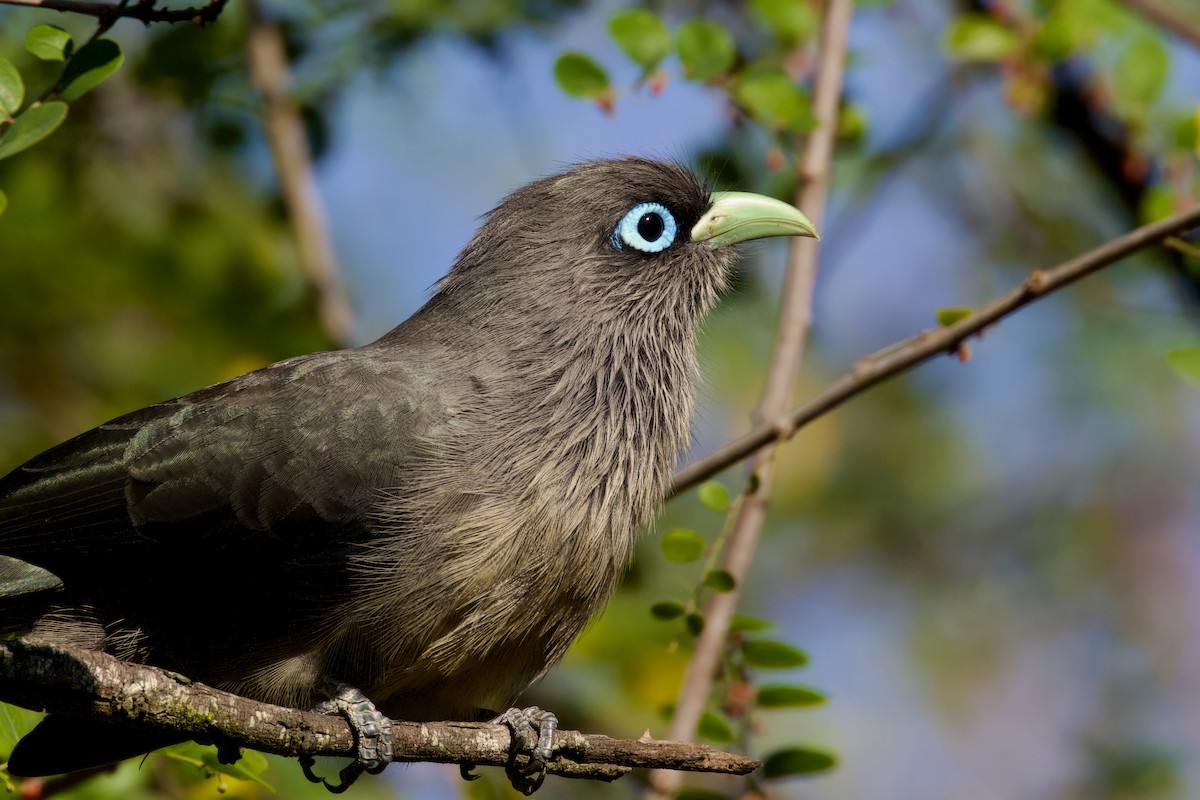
x=423, y=523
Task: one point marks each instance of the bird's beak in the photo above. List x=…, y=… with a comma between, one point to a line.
x=741, y=216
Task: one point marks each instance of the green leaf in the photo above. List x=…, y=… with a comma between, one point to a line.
x=667, y=609
x=682, y=545
x=243, y=769
x=3, y=201
x=1141, y=71
x=706, y=49
x=797, y=761
x=49, y=42
x=694, y=623
x=714, y=495
x=1157, y=203
x=1186, y=361
x=948, y=316
x=748, y=624
x=1187, y=131
x=790, y=21
x=713, y=728
x=719, y=580
x=695, y=793
x=93, y=63
x=642, y=35
x=15, y=722
x=978, y=37
x=770, y=96
x=785, y=696
x=34, y=124
x=767, y=654
x=12, y=88
x=579, y=76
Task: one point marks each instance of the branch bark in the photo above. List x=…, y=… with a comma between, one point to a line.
x=146, y=11
x=266, y=56
x=1169, y=20
x=99, y=686
x=786, y=357
x=903, y=356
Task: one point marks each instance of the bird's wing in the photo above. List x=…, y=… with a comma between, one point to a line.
x=292, y=450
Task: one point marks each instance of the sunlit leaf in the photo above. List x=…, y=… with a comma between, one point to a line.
x=948, y=316
x=12, y=88
x=15, y=722
x=787, y=696
x=714, y=495
x=772, y=97
x=706, y=49
x=682, y=545
x=797, y=761
x=34, y=124
x=1186, y=361
x=49, y=42
x=790, y=21
x=667, y=609
x=768, y=654
x=89, y=67
x=242, y=769
x=977, y=37
x=1141, y=71
x=719, y=580
x=713, y=728
x=580, y=76
x=641, y=34
x=748, y=624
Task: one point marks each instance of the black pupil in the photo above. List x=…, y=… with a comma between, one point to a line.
x=650, y=226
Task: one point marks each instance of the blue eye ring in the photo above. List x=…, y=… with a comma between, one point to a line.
x=642, y=222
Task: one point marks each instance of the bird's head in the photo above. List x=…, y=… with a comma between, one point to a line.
x=616, y=239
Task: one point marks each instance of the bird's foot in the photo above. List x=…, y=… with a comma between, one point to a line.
x=521, y=722
x=372, y=736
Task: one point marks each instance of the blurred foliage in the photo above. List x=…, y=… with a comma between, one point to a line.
x=143, y=254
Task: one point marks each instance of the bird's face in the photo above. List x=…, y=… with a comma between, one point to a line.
x=618, y=238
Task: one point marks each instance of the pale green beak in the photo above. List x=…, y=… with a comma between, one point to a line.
x=742, y=216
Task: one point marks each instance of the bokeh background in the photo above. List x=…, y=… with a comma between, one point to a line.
x=994, y=566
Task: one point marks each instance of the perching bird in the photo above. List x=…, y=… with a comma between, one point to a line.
x=431, y=518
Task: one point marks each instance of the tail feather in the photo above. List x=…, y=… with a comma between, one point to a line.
x=65, y=744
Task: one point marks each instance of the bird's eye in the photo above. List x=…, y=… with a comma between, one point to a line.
x=648, y=227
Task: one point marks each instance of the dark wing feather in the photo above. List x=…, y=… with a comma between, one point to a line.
x=293, y=452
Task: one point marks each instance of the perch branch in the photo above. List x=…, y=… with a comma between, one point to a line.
x=146, y=11
x=903, y=356
x=99, y=686
x=795, y=320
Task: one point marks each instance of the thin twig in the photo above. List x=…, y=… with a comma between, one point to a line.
x=288, y=142
x=903, y=356
x=146, y=11
x=1168, y=19
x=787, y=354
x=98, y=686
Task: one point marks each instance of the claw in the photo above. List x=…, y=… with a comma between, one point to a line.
x=372, y=736
x=521, y=722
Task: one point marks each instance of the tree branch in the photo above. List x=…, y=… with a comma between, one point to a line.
x=1167, y=19
x=99, y=686
x=788, y=352
x=286, y=137
x=146, y=11
x=903, y=356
